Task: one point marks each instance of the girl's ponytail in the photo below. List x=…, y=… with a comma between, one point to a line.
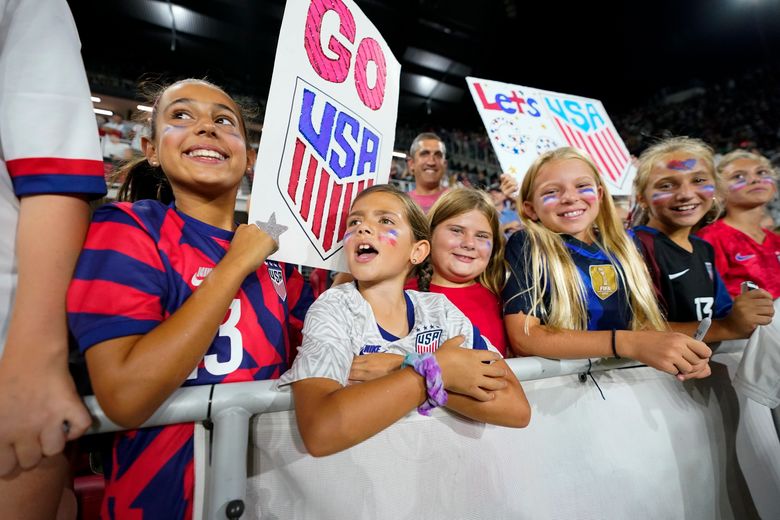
x=424, y=273
x=143, y=181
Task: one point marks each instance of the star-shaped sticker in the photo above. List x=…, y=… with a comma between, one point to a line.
x=271, y=227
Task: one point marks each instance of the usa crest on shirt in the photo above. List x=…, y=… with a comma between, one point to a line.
x=428, y=340
x=275, y=273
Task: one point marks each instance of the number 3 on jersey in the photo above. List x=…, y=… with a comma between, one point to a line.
x=229, y=330
x=704, y=307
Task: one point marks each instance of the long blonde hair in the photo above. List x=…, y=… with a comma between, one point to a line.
x=462, y=200
x=695, y=148
x=553, y=269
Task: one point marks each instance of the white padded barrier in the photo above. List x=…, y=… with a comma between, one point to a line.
x=655, y=448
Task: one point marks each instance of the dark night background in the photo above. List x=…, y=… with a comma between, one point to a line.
x=625, y=53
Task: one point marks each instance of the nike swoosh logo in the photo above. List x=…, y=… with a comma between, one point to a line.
x=677, y=275
x=742, y=258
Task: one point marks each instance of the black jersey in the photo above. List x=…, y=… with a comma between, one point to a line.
x=687, y=283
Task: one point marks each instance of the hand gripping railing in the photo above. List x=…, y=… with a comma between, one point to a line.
x=230, y=406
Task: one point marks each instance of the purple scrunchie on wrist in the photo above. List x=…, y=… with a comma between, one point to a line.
x=427, y=366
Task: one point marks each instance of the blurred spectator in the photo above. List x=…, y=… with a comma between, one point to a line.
x=115, y=126
x=508, y=218
x=114, y=149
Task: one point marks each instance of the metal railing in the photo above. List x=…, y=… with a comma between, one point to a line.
x=230, y=406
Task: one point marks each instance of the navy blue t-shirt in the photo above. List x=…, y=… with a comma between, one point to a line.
x=606, y=297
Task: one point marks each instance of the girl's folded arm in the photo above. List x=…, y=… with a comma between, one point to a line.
x=332, y=417
x=509, y=406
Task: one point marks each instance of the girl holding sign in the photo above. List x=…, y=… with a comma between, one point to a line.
x=171, y=293
x=577, y=286
x=444, y=362
x=676, y=189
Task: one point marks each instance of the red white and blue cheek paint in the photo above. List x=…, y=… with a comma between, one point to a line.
x=706, y=191
x=588, y=194
x=550, y=200
x=771, y=181
x=661, y=197
x=348, y=236
x=740, y=184
x=389, y=237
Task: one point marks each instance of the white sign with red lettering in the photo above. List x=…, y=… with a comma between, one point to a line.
x=329, y=128
x=524, y=122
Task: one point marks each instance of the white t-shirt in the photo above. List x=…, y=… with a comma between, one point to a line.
x=341, y=325
x=48, y=133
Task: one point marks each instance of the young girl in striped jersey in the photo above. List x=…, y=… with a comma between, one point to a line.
x=170, y=292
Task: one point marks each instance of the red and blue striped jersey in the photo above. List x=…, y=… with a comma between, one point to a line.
x=140, y=263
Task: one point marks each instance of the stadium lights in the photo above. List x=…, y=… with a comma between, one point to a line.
x=144, y=108
x=95, y=99
x=400, y=155
x=103, y=112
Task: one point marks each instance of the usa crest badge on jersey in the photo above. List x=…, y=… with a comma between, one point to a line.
x=277, y=277
x=428, y=341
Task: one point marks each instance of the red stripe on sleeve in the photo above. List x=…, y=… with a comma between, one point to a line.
x=54, y=166
x=103, y=236
x=114, y=299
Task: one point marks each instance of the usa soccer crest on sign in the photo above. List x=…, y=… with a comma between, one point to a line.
x=334, y=158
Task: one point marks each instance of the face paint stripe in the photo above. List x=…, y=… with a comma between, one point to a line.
x=685, y=165
x=549, y=199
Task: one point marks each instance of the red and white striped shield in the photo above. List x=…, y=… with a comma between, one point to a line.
x=334, y=158
x=602, y=145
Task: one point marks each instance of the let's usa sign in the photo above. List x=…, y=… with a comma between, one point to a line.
x=524, y=122
x=329, y=127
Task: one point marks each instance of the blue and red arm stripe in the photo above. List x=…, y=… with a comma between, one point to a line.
x=113, y=299
x=135, y=243
x=114, y=266
x=108, y=329
x=40, y=175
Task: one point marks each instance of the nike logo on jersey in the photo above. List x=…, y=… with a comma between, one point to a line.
x=741, y=258
x=677, y=275
x=371, y=349
x=198, y=277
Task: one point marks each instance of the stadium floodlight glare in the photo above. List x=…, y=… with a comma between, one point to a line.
x=95, y=99
x=144, y=108
x=103, y=112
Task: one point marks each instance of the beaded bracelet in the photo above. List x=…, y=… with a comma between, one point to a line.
x=427, y=366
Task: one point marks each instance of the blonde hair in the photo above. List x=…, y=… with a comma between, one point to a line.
x=553, y=269
x=462, y=200
x=652, y=156
x=735, y=155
